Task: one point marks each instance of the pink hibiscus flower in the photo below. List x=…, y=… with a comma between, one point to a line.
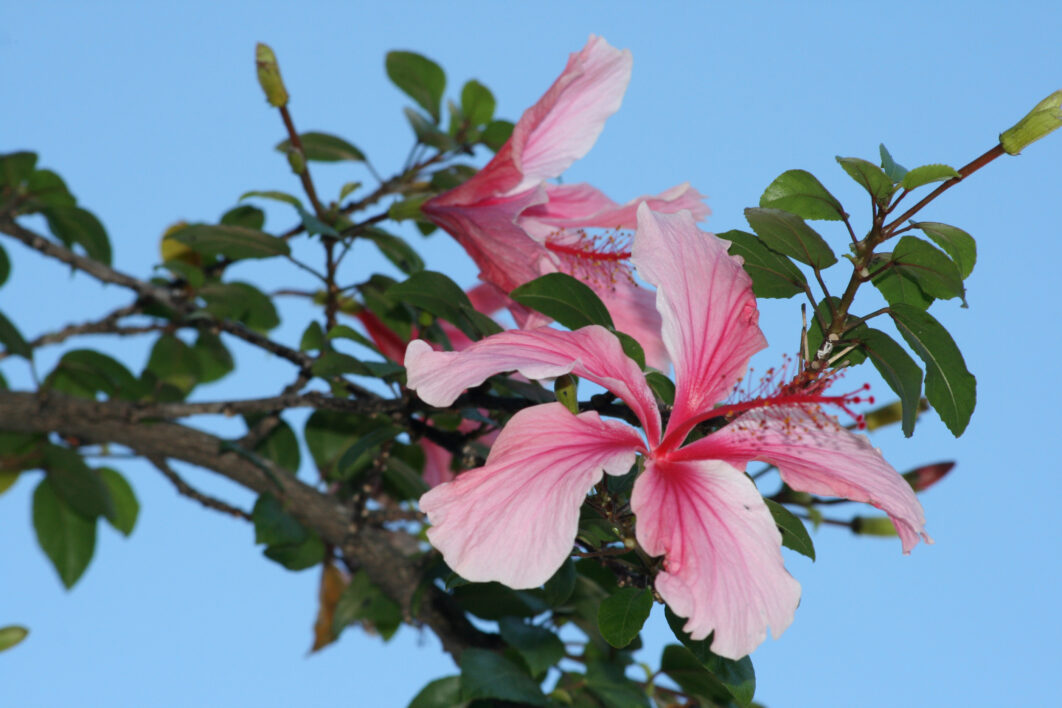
x=516, y=227
x=514, y=520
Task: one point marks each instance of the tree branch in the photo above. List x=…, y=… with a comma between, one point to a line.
x=381, y=552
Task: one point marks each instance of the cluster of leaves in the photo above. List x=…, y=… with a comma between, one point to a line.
x=916, y=273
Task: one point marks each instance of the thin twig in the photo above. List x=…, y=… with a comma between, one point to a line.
x=187, y=490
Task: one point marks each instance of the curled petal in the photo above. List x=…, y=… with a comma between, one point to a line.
x=581, y=206
x=816, y=455
x=514, y=520
x=708, y=309
x=723, y=567
x=591, y=353
x=564, y=124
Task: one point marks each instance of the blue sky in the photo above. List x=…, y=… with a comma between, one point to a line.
x=152, y=114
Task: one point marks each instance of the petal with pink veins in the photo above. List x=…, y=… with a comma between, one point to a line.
x=592, y=353
x=723, y=567
x=709, y=312
x=816, y=455
x=514, y=520
x=581, y=206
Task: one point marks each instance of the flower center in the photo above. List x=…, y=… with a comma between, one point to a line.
x=598, y=258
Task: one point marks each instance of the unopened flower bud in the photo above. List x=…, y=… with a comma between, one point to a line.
x=269, y=75
x=1041, y=120
x=873, y=526
x=924, y=477
x=566, y=388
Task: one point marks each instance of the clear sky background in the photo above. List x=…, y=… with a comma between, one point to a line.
x=152, y=114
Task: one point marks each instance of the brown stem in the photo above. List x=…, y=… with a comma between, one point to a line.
x=964, y=172
x=304, y=173
x=187, y=490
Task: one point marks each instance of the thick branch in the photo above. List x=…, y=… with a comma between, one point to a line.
x=380, y=552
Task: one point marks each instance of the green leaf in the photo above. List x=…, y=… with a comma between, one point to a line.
x=11, y=635
x=365, y=444
x=899, y=370
x=16, y=168
x=794, y=534
x=214, y=359
x=322, y=147
x=5, y=266
x=328, y=435
x=896, y=287
x=8, y=478
x=395, y=250
x=631, y=348
x=126, y=507
x=347, y=188
x=956, y=243
x=559, y=588
x=539, y=647
x=275, y=196
x=74, y=225
x=738, y=677
x=437, y=294
x=419, y=78
x=66, y=537
x=477, y=103
x=12, y=339
x=950, y=387
x=936, y=274
x=485, y=674
x=788, y=234
x=800, y=193
x=496, y=134
x=683, y=668
x=427, y=132
x=312, y=337
x=86, y=373
x=280, y=446
x=662, y=386
x=362, y=601
x=298, y=556
x=870, y=177
x=773, y=275
x=233, y=242
x=273, y=525
x=440, y=693
x=894, y=171
x=622, y=615
x=173, y=362
x=245, y=215
x=241, y=302
x=565, y=299
x=79, y=486
x=492, y=601
x=49, y=190
x=927, y=173
x=336, y=364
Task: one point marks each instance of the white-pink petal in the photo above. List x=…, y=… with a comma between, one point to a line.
x=723, y=568
x=515, y=519
x=591, y=353
x=564, y=124
x=816, y=455
x=709, y=312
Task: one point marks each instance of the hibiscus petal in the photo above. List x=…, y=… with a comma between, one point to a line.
x=583, y=206
x=723, y=567
x=592, y=353
x=564, y=124
x=816, y=455
x=708, y=309
x=514, y=520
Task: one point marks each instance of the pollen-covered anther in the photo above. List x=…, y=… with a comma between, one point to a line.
x=602, y=258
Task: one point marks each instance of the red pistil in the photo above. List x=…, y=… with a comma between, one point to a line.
x=581, y=251
x=805, y=398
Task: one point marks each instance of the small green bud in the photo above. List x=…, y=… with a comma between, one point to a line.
x=566, y=388
x=1041, y=120
x=873, y=526
x=297, y=160
x=269, y=75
